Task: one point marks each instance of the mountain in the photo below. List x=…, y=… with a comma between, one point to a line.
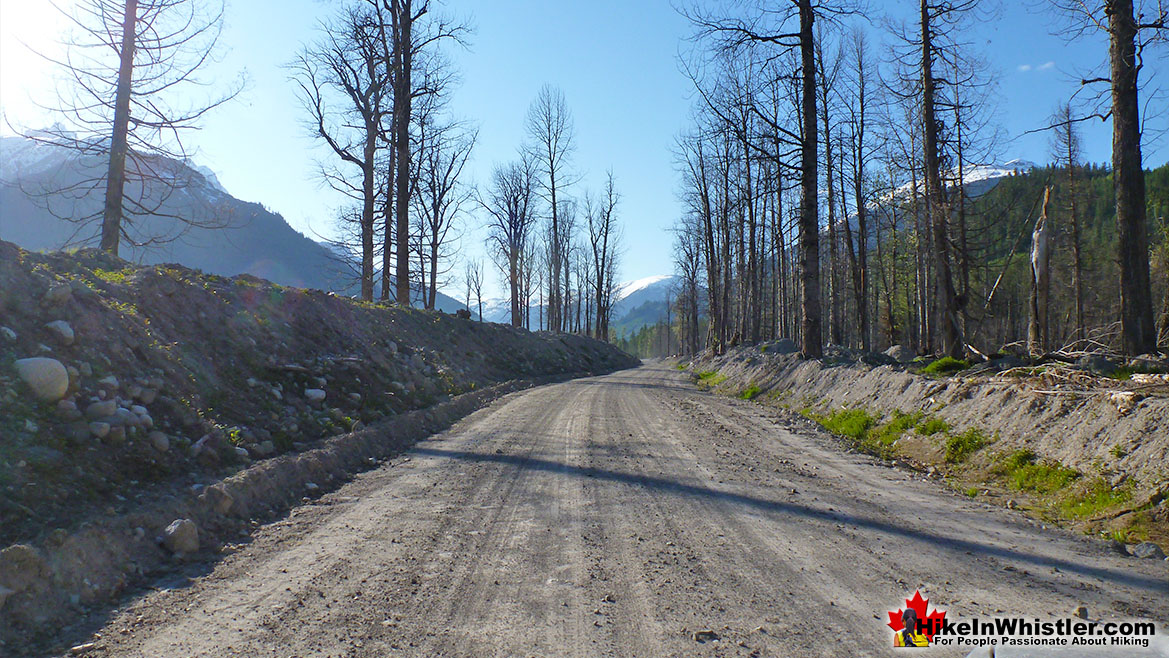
x=637, y=304
x=41, y=182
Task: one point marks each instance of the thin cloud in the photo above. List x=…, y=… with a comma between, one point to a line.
x=1046, y=66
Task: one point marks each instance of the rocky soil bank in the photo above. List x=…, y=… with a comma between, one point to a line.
x=125, y=389
x=1061, y=442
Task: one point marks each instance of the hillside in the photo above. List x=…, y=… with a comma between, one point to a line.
x=38, y=186
x=142, y=376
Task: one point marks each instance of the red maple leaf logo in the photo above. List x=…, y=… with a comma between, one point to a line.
x=930, y=623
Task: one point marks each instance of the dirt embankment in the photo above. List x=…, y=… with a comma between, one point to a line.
x=1097, y=460
x=124, y=389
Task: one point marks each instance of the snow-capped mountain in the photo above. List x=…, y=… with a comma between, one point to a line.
x=979, y=179
x=244, y=238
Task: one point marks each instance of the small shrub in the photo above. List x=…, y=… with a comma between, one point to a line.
x=749, y=393
x=853, y=423
x=896, y=426
x=113, y=276
x=961, y=446
x=931, y=426
x=710, y=379
x=945, y=366
x=972, y=492
x=1097, y=497
x=1025, y=474
x=1118, y=451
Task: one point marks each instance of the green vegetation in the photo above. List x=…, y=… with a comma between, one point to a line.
x=681, y=366
x=749, y=393
x=1024, y=473
x=973, y=492
x=945, y=366
x=1118, y=451
x=961, y=446
x=931, y=426
x=113, y=276
x=852, y=423
x=1097, y=497
x=892, y=430
x=710, y=378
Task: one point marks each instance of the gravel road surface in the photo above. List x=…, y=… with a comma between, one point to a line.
x=624, y=515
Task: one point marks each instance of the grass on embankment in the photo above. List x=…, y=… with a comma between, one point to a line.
x=974, y=463
x=1051, y=490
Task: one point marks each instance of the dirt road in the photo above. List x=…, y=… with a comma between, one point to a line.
x=617, y=516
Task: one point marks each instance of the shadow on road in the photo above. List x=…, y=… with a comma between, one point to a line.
x=794, y=509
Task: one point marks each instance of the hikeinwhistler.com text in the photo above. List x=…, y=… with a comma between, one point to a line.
x=1016, y=631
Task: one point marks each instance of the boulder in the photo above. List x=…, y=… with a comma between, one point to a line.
x=1148, y=550
x=99, y=429
x=61, y=331
x=67, y=410
x=7, y=333
x=901, y=353
x=21, y=567
x=159, y=441
x=218, y=499
x=314, y=395
x=58, y=294
x=48, y=378
x=101, y=410
x=181, y=536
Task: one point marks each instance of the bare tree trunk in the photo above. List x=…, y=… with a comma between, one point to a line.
x=111, y=226
x=1037, y=330
x=945, y=297
x=1136, y=296
x=403, y=62
x=811, y=340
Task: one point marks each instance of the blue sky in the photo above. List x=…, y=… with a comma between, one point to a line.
x=616, y=61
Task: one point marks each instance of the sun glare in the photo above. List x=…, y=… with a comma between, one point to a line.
x=28, y=27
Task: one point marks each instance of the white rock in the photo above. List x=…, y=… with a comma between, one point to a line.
x=109, y=382
x=61, y=331
x=47, y=378
x=30, y=426
x=99, y=429
x=181, y=536
x=138, y=410
x=7, y=333
x=314, y=394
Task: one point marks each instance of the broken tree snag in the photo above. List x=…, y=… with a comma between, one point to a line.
x=1037, y=329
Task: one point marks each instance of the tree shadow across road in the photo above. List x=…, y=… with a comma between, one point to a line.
x=673, y=487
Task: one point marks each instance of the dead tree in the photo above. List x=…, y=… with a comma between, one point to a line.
x=344, y=86
x=1065, y=148
x=127, y=68
x=1129, y=35
x=604, y=235
x=550, y=133
x=509, y=205
x=1037, y=328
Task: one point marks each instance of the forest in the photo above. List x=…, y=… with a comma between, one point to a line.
x=837, y=196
